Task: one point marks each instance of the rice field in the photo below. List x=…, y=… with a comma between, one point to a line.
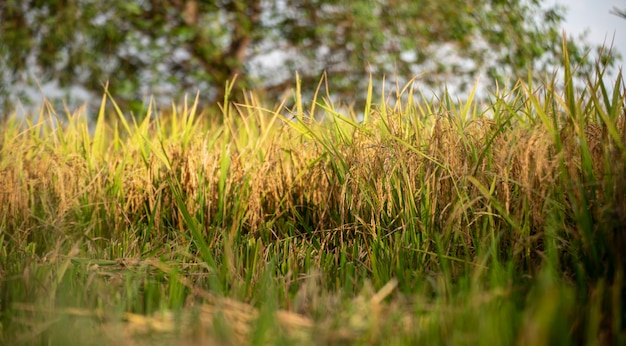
x=411, y=221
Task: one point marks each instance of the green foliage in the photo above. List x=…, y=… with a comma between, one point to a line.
x=426, y=223
x=154, y=47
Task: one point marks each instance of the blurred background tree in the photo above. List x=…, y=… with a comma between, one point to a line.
x=167, y=48
x=618, y=12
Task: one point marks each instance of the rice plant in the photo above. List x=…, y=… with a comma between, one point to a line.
x=423, y=221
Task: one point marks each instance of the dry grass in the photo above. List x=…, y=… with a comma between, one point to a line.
x=305, y=227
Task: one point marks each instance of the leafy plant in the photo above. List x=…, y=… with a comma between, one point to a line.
x=167, y=49
x=315, y=226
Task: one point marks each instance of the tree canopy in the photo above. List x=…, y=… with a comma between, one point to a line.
x=171, y=47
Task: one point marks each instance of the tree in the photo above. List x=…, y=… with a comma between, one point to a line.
x=618, y=12
x=170, y=47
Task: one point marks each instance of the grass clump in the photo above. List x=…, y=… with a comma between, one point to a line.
x=426, y=222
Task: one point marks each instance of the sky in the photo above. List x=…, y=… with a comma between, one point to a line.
x=595, y=17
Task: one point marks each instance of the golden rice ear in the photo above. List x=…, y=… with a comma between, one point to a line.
x=526, y=158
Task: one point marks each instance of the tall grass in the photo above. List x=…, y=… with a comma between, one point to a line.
x=470, y=222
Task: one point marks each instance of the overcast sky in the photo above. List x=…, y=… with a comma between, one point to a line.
x=595, y=16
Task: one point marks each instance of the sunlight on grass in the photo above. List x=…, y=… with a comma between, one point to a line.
x=421, y=222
